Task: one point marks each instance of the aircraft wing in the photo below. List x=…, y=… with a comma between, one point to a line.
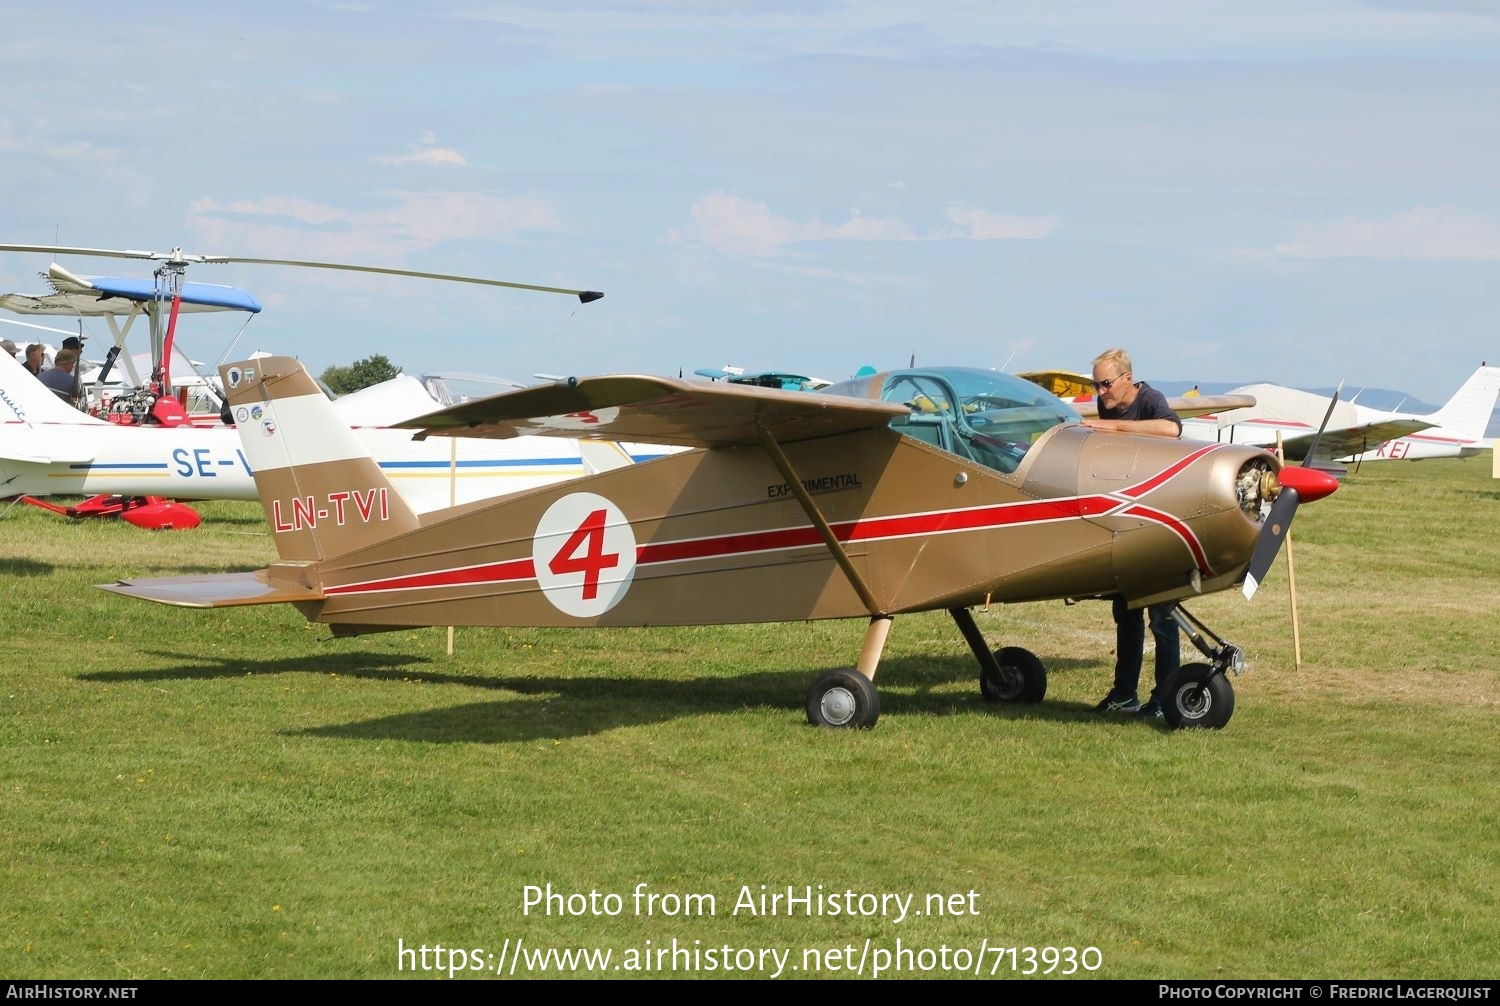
x=658, y=410
x=1352, y=440
x=222, y=590
x=1185, y=406
x=99, y=296
x=1065, y=384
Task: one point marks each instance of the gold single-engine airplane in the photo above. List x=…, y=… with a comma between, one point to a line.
x=901, y=492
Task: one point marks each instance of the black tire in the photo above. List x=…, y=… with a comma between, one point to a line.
x=844, y=699
x=1022, y=677
x=1198, y=696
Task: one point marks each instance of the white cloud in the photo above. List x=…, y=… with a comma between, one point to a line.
x=738, y=226
x=425, y=151
x=982, y=225
x=1436, y=234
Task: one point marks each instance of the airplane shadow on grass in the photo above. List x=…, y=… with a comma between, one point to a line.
x=377, y=666
x=25, y=567
x=559, y=707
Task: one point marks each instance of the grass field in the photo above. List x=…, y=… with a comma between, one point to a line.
x=233, y=794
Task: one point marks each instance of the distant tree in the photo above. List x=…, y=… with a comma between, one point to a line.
x=360, y=374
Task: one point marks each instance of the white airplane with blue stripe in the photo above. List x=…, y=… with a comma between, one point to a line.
x=48, y=448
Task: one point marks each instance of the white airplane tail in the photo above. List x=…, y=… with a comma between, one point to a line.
x=1468, y=412
x=322, y=491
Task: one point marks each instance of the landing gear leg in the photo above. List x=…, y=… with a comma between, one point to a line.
x=1200, y=695
x=846, y=696
x=1009, y=674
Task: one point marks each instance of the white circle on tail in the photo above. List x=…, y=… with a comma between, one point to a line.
x=584, y=554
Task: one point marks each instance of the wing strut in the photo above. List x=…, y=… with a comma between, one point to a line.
x=815, y=515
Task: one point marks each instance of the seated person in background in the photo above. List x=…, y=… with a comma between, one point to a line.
x=60, y=378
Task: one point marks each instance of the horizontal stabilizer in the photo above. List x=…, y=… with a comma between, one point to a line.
x=658, y=410
x=224, y=590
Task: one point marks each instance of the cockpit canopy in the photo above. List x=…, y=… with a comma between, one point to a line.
x=980, y=415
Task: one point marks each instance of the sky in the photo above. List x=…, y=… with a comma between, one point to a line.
x=1300, y=192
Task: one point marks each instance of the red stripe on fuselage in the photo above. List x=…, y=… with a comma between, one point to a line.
x=1165, y=475
x=877, y=529
x=1178, y=528
x=491, y=572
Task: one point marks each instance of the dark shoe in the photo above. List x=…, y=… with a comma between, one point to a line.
x=1151, y=711
x=1114, y=704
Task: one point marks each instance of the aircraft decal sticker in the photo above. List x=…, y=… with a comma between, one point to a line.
x=583, y=554
x=484, y=465
x=304, y=512
x=15, y=409
x=98, y=467
x=586, y=420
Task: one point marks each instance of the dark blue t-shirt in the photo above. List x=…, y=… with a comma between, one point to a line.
x=1149, y=404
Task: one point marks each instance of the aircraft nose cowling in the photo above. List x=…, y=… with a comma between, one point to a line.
x=1310, y=483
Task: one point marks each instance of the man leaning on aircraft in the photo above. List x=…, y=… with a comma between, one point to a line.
x=1127, y=407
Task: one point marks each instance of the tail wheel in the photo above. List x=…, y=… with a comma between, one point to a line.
x=1198, y=696
x=1022, y=678
x=843, y=698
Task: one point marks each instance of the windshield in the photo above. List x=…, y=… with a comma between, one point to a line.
x=983, y=415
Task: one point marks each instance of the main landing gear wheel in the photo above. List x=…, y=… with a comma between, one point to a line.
x=1021, y=677
x=1198, y=696
x=843, y=698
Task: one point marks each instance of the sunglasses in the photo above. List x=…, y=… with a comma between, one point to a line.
x=1106, y=385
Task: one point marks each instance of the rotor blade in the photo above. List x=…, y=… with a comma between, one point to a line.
x=586, y=296
x=175, y=255
x=1272, y=533
x=179, y=256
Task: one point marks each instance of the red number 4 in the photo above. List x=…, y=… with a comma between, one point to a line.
x=590, y=536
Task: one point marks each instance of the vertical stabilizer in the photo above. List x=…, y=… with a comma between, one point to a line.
x=1467, y=413
x=323, y=493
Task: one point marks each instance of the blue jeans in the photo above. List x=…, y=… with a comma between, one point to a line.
x=1130, y=643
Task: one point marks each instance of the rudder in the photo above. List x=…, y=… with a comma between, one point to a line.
x=1468, y=411
x=322, y=492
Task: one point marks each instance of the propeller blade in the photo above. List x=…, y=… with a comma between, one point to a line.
x=1272, y=533
x=1312, y=449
